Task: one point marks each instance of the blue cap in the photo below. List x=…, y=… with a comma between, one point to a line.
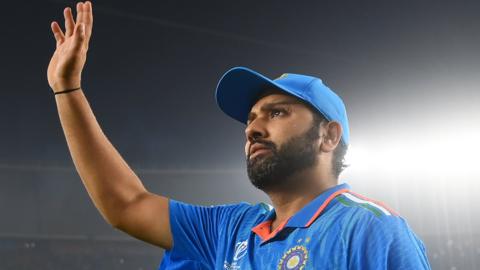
x=238, y=90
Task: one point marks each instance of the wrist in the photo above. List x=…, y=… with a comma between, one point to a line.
x=67, y=91
x=62, y=85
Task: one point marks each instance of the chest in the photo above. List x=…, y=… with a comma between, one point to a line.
x=292, y=248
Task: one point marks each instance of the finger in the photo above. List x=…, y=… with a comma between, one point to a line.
x=79, y=12
x=88, y=18
x=57, y=33
x=69, y=23
x=79, y=36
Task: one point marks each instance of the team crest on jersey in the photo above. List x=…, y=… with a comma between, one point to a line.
x=294, y=259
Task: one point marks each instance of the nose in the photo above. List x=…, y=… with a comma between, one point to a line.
x=255, y=130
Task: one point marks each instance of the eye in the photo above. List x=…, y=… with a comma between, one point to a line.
x=276, y=112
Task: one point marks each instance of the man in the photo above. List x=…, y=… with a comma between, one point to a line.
x=296, y=136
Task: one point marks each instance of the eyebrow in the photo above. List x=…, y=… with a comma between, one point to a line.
x=269, y=106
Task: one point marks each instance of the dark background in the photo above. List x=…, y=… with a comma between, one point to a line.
x=408, y=72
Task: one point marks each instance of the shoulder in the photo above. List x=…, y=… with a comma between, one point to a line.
x=378, y=235
x=361, y=212
x=248, y=211
x=244, y=208
x=363, y=217
x=371, y=222
x=240, y=216
x=228, y=210
x=365, y=207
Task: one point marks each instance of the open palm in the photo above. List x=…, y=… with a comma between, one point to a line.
x=66, y=65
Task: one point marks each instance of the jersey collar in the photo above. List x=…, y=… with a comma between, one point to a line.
x=303, y=218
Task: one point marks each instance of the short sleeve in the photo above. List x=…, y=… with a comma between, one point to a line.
x=195, y=231
x=387, y=242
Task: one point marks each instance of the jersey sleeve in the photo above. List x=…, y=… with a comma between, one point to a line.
x=195, y=231
x=387, y=242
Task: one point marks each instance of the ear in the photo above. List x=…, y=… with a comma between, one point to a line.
x=332, y=133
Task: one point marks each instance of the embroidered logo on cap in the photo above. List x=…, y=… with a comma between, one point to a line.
x=282, y=76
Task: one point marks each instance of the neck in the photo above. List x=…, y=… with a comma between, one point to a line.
x=289, y=201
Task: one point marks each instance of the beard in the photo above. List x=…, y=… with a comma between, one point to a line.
x=273, y=171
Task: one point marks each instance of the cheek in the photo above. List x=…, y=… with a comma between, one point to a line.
x=282, y=133
x=279, y=136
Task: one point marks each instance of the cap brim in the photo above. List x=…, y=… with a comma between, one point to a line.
x=238, y=90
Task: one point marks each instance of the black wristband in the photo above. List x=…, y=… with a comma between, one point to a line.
x=67, y=91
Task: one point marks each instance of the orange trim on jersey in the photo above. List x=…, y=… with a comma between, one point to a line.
x=377, y=202
x=263, y=229
x=324, y=205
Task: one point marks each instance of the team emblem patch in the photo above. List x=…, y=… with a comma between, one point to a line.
x=294, y=259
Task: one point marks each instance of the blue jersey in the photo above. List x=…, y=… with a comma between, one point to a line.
x=339, y=229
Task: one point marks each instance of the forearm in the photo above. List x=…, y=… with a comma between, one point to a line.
x=107, y=177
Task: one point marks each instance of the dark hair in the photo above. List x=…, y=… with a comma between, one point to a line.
x=338, y=161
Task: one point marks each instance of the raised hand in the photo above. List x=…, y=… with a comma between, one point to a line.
x=66, y=65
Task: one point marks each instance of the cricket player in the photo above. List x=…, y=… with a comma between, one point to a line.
x=296, y=133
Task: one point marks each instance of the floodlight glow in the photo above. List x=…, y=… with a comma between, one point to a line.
x=446, y=154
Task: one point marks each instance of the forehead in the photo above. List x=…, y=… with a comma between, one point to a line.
x=274, y=96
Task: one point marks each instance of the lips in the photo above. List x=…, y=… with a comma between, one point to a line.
x=258, y=149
